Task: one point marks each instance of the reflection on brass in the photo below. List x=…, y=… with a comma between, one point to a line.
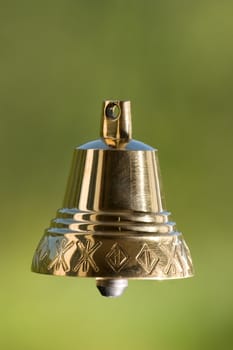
x=113, y=225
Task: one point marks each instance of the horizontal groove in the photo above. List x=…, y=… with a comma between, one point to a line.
x=75, y=220
x=53, y=231
x=113, y=216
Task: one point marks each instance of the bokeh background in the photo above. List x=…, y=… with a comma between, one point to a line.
x=174, y=60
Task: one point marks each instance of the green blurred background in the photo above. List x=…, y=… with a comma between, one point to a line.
x=174, y=61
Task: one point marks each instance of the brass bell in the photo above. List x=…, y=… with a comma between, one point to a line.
x=113, y=225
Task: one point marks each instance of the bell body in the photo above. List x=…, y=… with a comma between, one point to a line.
x=113, y=225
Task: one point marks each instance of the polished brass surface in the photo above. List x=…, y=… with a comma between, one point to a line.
x=113, y=224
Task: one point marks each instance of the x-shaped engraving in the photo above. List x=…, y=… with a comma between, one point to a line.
x=59, y=260
x=176, y=256
x=86, y=260
x=41, y=253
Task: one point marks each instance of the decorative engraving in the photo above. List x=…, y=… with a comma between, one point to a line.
x=42, y=250
x=187, y=257
x=59, y=260
x=183, y=255
x=147, y=258
x=41, y=253
x=178, y=260
x=117, y=258
x=86, y=260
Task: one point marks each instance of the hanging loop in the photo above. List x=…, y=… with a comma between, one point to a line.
x=116, y=127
